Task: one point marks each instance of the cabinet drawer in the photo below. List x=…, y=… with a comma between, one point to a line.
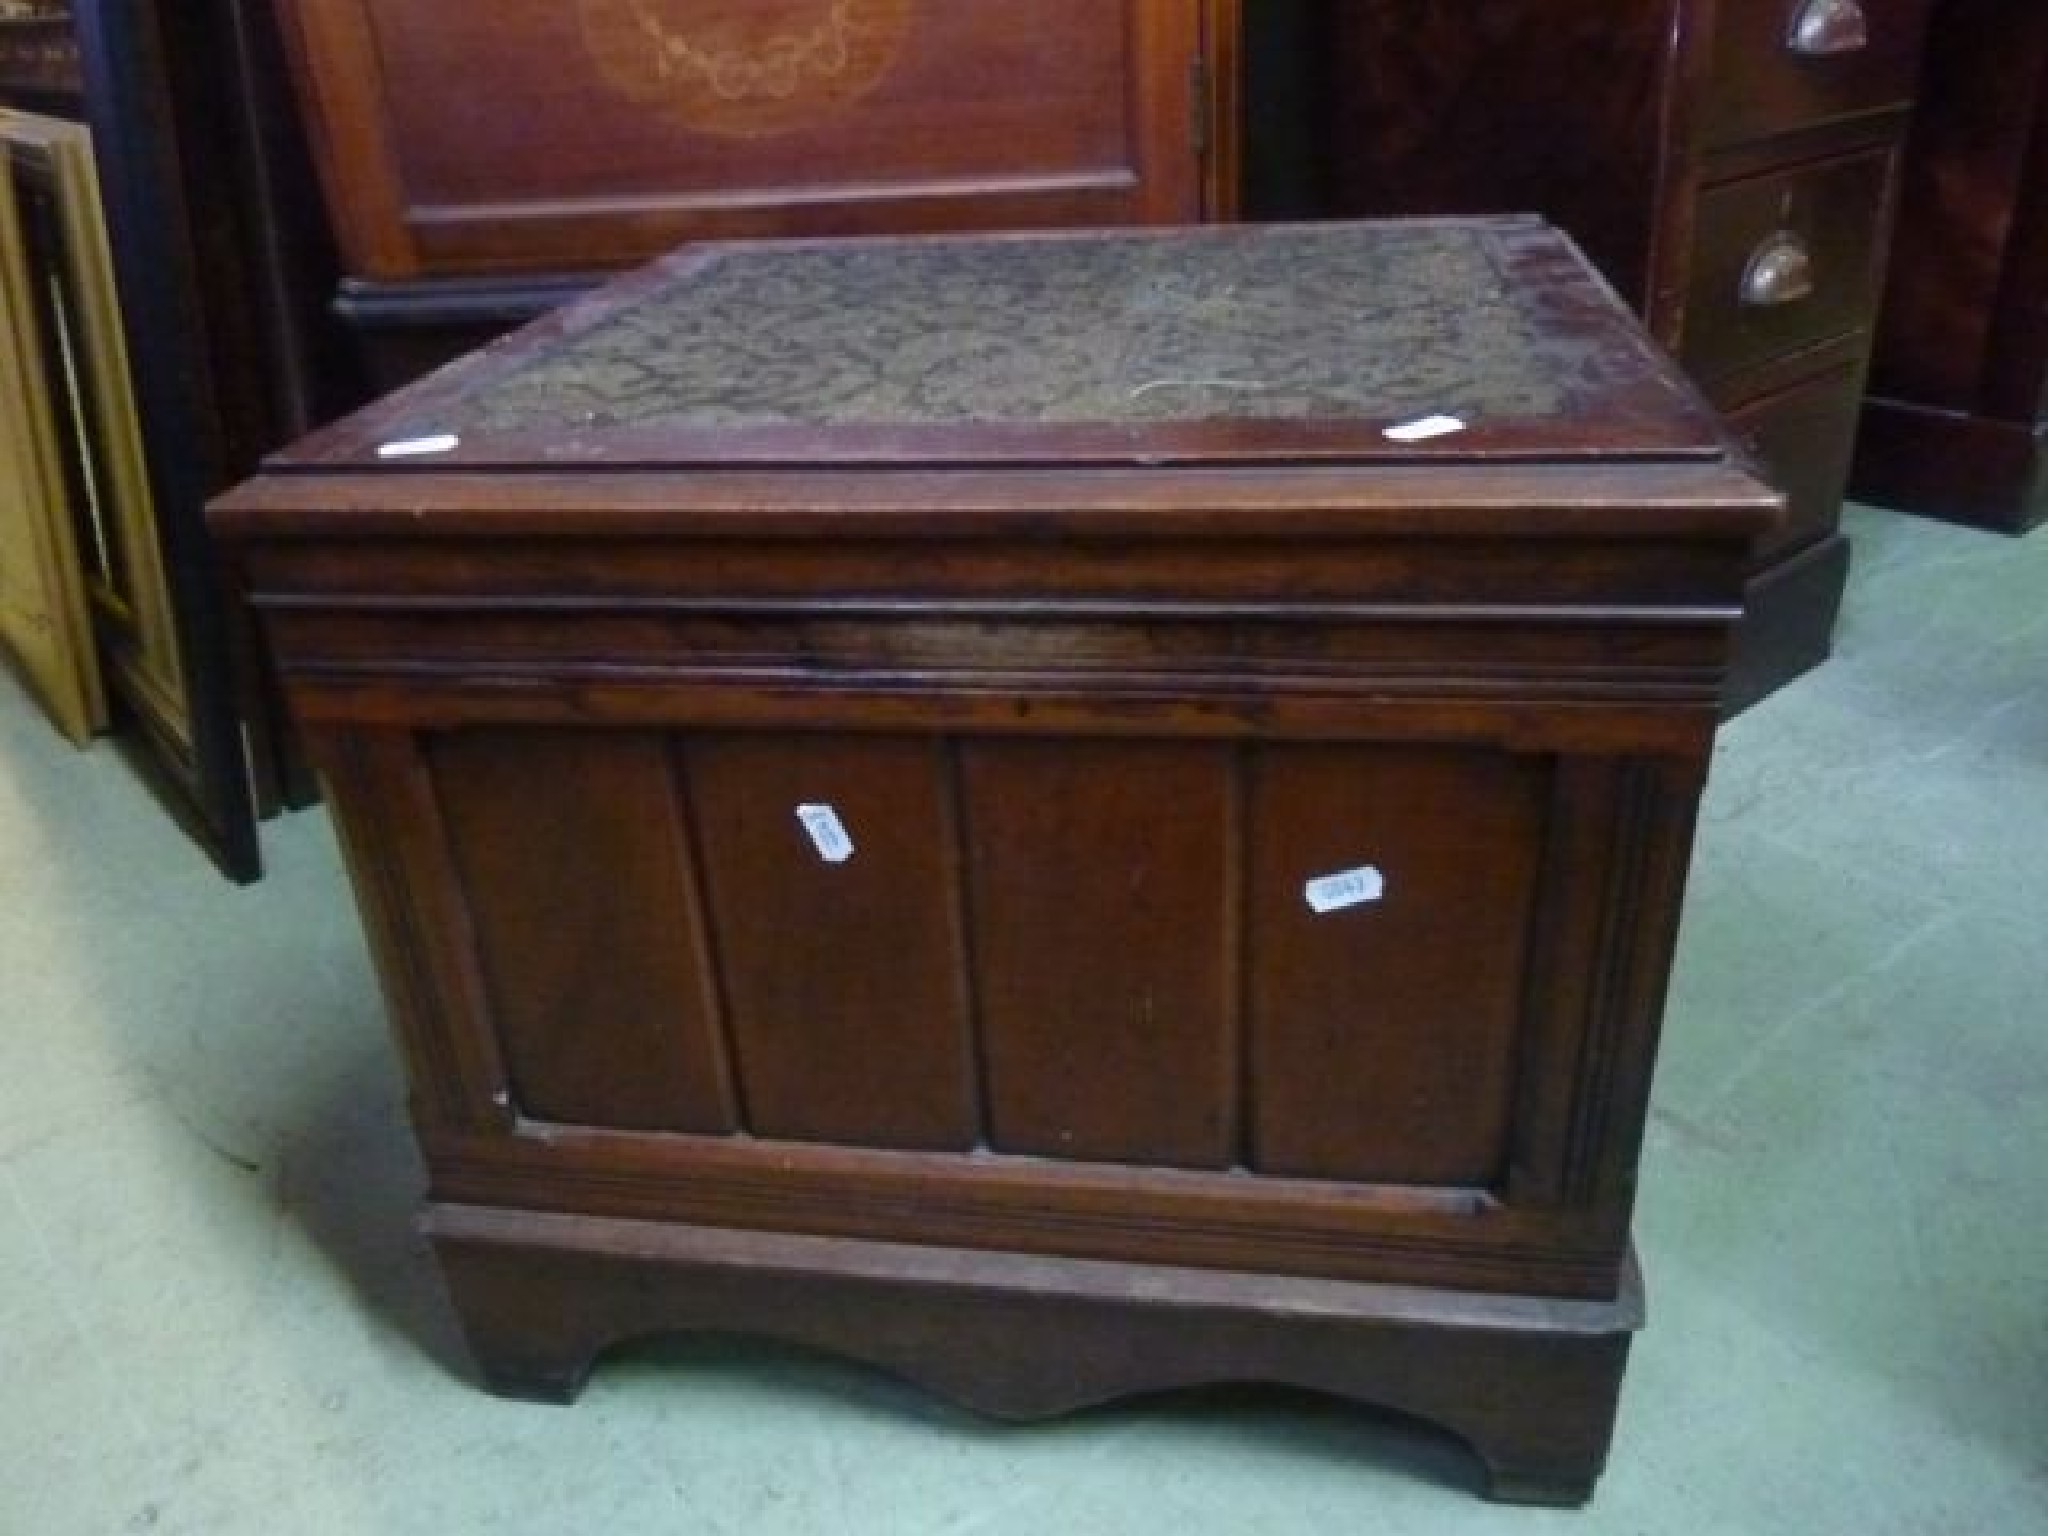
x=1804, y=436
x=1786, y=64
x=1784, y=261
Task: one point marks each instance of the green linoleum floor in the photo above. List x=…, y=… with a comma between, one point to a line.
x=213, y=1318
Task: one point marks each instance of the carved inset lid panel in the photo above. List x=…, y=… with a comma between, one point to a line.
x=1222, y=344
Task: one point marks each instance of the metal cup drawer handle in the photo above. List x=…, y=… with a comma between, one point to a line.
x=1780, y=271
x=1819, y=28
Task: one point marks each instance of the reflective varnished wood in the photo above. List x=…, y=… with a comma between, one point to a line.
x=1258, y=847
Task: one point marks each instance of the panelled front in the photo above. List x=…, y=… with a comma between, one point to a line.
x=1021, y=952
x=667, y=945
x=610, y=130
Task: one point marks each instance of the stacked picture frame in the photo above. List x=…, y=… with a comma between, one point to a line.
x=86, y=608
x=163, y=225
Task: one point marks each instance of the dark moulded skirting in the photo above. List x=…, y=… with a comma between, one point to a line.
x=1978, y=470
x=404, y=330
x=450, y=302
x=1530, y=1384
x=1788, y=621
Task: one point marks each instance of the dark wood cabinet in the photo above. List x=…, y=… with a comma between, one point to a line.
x=1731, y=166
x=1029, y=834
x=612, y=130
x=1958, y=398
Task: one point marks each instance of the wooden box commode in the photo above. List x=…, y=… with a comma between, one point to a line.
x=996, y=805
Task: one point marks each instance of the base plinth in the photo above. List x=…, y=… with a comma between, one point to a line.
x=1529, y=1384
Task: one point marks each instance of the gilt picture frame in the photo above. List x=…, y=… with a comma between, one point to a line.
x=88, y=397
x=45, y=615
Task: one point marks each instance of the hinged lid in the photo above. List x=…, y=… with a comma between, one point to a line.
x=1214, y=345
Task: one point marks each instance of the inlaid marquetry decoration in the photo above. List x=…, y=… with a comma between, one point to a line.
x=746, y=68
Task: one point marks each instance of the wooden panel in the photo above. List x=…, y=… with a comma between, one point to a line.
x=1383, y=1035
x=1835, y=209
x=1103, y=893
x=1962, y=303
x=1762, y=84
x=1650, y=805
x=1610, y=891
x=615, y=128
x=846, y=983
x=576, y=866
x=1960, y=372
x=394, y=840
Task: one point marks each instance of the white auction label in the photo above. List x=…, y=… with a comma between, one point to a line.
x=1423, y=430
x=419, y=447
x=1352, y=888
x=828, y=833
